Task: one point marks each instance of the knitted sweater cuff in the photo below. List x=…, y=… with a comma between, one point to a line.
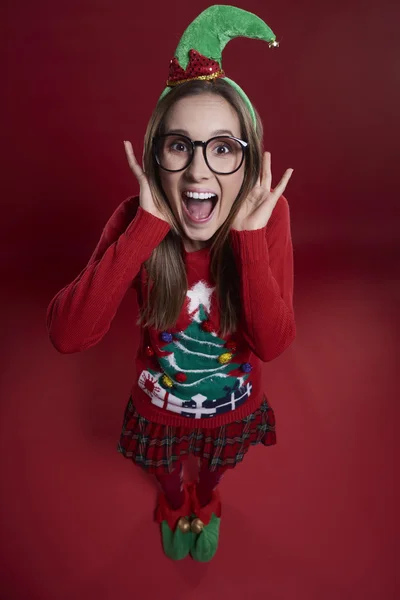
x=249, y=246
x=147, y=230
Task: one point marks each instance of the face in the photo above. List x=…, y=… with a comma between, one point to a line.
x=201, y=118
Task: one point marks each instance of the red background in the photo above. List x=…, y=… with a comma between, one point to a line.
x=311, y=518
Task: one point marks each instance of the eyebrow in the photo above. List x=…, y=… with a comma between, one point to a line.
x=213, y=133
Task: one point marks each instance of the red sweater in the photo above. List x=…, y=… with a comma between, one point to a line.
x=189, y=375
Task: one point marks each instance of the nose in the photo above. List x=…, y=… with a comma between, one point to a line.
x=198, y=168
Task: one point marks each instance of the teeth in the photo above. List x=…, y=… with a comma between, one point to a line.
x=199, y=196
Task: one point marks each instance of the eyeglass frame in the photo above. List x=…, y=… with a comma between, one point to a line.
x=204, y=145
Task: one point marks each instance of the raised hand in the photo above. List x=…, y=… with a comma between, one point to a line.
x=257, y=208
x=146, y=199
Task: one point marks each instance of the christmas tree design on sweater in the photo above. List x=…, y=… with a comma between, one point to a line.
x=197, y=376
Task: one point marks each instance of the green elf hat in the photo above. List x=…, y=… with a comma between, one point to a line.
x=199, y=52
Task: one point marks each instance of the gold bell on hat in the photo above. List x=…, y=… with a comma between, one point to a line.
x=184, y=525
x=197, y=525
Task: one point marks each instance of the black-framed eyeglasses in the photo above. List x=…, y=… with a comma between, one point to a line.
x=223, y=154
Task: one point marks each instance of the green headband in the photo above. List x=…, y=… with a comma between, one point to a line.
x=199, y=52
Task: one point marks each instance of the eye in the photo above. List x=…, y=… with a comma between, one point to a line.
x=178, y=146
x=222, y=149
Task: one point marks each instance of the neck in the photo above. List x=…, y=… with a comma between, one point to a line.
x=193, y=245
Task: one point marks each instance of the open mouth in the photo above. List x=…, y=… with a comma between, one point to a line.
x=199, y=206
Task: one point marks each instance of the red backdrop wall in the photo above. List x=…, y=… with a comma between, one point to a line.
x=311, y=518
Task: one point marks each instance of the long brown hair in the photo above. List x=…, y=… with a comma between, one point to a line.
x=165, y=267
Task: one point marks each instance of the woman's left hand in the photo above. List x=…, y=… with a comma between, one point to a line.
x=257, y=208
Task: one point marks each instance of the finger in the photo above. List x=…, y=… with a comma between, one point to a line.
x=133, y=163
x=280, y=188
x=266, y=174
x=262, y=177
x=144, y=151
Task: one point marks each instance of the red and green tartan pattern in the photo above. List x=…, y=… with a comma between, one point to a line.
x=157, y=448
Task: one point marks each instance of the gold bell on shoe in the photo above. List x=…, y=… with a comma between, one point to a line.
x=197, y=525
x=205, y=526
x=176, y=534
x=183, y=525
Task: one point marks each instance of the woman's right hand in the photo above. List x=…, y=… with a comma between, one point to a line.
x=146, y=200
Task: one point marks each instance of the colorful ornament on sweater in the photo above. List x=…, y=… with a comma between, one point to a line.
x=225, y=358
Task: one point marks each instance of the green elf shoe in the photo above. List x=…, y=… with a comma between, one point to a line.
x=177, y=536
x=205, y=526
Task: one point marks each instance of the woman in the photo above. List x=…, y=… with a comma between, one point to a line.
x=207, y=246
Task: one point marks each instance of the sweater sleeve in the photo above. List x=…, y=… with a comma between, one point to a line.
x=265, y=262
x=81, y=313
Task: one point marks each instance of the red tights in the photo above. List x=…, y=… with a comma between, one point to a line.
x=172, y=485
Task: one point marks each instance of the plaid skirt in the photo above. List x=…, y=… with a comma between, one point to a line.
x=157, y=448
